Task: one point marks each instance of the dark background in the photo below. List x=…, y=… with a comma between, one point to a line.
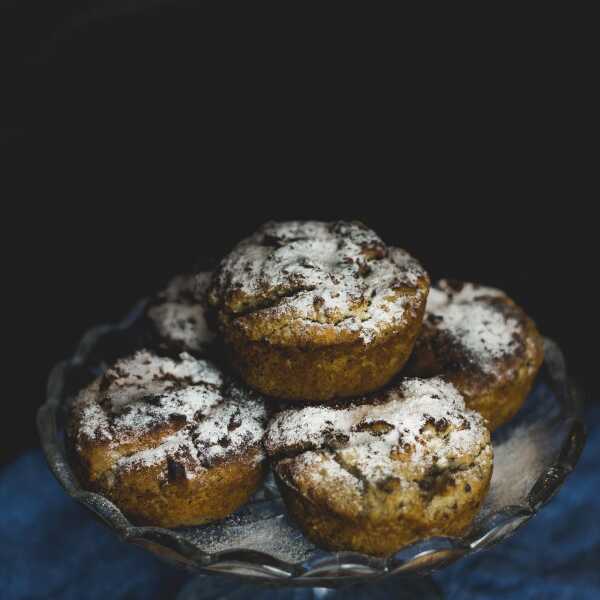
x=141, y=141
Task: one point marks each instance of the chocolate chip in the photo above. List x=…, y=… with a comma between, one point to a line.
x=318, y=301
x=434, y=319
x=335, y=439
x=436, y=481
x=175, y=470
x=389, y=484
x=376, y=428
x=152, y=400
x=177, y=418
x=364, y=269
x=465, y=425
x=234, y=422
x=440, y=425
x=376, y=250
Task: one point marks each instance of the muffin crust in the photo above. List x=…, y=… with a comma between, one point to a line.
x=172, y=442
x=480, y=340
x=314, y=311
x=385, y=471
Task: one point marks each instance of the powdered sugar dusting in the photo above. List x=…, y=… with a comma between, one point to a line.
x=146, y=373
x=467, y=315
x=94, y=423
x=274, y=535
x=185, y=403
x=329, y=274
x=518, y=461
x=205, y=416
x=418, y=422
x=178, y=443
x=179, y=314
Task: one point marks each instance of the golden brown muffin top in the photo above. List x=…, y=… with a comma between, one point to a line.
x=315, y=282
x=178, y=313
x=180, y=409
x=473, y=330
x=398, y=439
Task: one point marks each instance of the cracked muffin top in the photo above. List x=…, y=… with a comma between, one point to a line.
x=475, y=333
x=178, y=313
x=183, y=414
x=416, y=439
x=321, y=283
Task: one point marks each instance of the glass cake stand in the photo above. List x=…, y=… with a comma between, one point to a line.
x=259, y=552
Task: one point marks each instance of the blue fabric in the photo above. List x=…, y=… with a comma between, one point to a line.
x=556, y=555
x=50, y=547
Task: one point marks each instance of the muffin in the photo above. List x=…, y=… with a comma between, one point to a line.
x=171, y=442
x=313, y=311
x=480, y=340
x=405, y=464
x=177, y=315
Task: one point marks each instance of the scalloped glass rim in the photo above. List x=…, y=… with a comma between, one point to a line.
x=323, y=568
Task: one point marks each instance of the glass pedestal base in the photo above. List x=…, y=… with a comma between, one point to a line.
x=399, y=588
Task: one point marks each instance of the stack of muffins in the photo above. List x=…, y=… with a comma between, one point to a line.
x=369, y=395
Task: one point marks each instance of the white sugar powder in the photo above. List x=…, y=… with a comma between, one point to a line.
x=482, y=330
x=341, y=276
x=145, y=391
x=408, y=415
x=179, y=314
